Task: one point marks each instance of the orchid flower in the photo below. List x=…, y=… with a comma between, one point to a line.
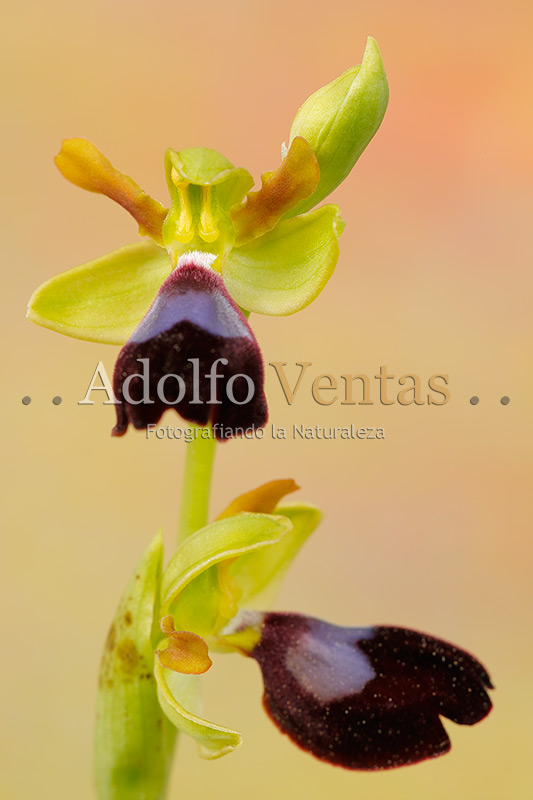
x=361, y=698
x=177, y=302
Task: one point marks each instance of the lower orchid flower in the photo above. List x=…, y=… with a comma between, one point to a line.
x=361, y=698
x=365, y=698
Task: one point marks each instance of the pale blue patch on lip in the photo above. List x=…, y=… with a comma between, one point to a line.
x=206, y=307
x=327, y=663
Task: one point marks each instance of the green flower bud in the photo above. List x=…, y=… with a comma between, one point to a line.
x=340, y=119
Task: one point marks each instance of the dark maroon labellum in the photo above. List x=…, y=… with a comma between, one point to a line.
x=366, y=698
x=195, y=352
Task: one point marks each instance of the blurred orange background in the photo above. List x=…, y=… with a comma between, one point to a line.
x=430, y=528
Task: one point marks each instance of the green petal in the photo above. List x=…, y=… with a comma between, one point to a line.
x=281, y=189
x=82, y=163
x=177, y=693
x=133, y=739
x=219, y=541
x=340, y=119
x=104, y=300
x=284, y=270
x=260, y=574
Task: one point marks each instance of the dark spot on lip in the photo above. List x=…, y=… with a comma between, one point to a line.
x=128, y=619
x=128, y=655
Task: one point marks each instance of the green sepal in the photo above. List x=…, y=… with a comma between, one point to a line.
x=259, y=574
x=103, y=300
x=287, y=268
x=133, y=738
x=340, y=119
x=203, y=187
x=202, y=166
x=199, y=603
x=193, y=596
x=191, y=591
x=177, y=695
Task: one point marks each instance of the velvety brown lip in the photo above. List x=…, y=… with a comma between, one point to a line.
x=408, y=680
x=192, y=324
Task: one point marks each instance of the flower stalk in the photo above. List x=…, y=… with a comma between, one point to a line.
x=196, y=484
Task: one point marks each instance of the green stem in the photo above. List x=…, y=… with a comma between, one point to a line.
x=196, y=486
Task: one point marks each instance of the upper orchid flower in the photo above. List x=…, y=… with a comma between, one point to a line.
x=176, y=300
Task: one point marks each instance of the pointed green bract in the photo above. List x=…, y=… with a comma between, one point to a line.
x=340, y=119
x=179, y=693
x=222, y=540
x=284, y=270
x=104, y=300
x=133, y=738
